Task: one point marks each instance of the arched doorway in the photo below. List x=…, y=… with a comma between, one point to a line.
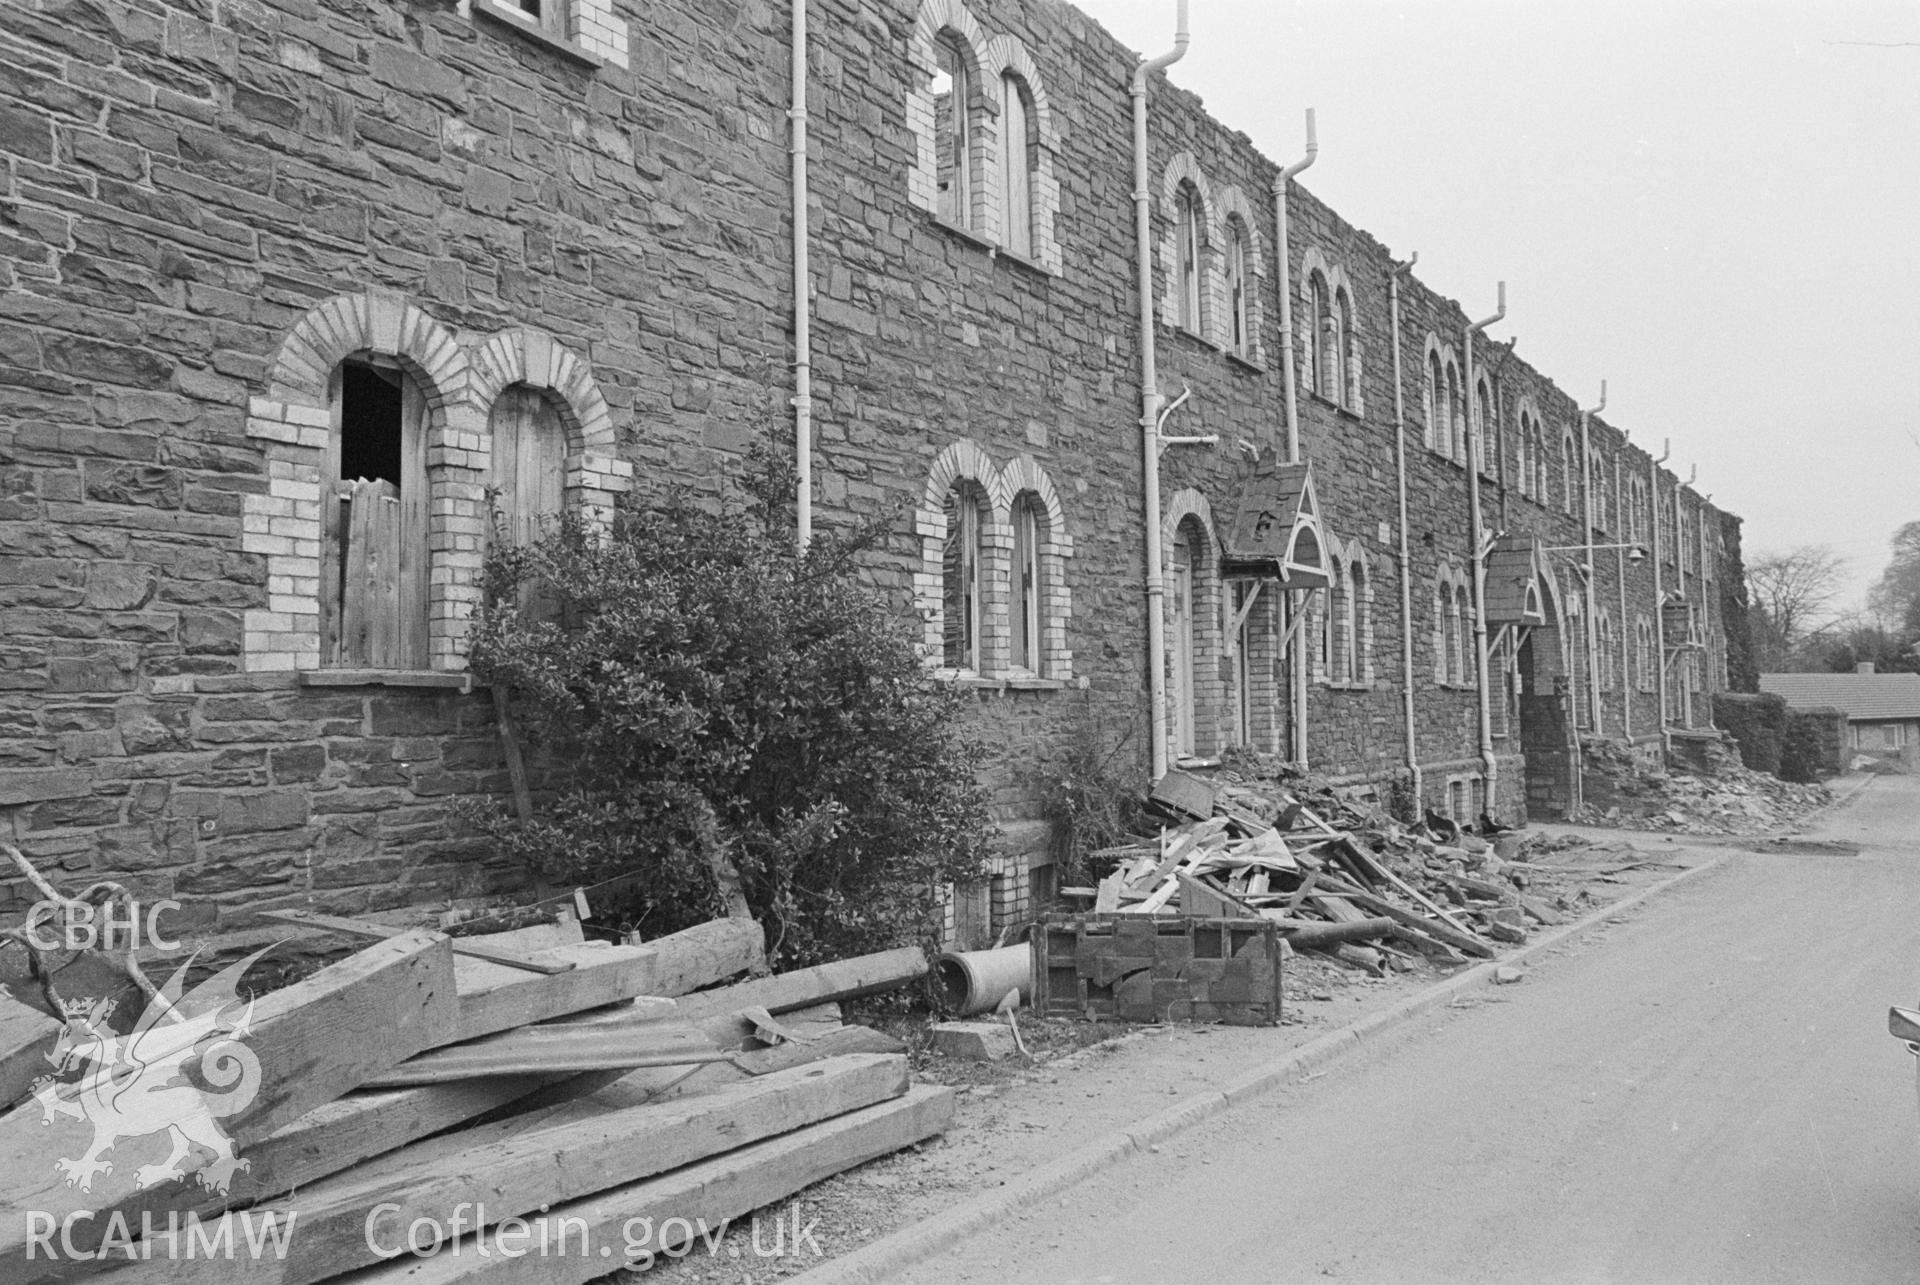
x=1545, y=708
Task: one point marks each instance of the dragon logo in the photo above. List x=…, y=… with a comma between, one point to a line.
x=182, y=1069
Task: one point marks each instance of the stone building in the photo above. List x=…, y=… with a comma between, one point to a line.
x=293, y=287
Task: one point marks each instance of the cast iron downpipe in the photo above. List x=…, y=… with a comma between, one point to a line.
x=1150, y=398
x=1660, y=603
x=1297, y=648
x=802, y=304
x=1620, y=582
x=1593, y=627
x=1394, y=274
x=1489, y=766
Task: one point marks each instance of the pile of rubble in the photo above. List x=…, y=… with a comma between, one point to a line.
x=1726, y=798
x=470, y=1101
x=1329, y=875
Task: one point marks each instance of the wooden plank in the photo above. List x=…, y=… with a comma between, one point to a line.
x=410, y=593
x=494, y=997
x=843, y=979
x=708, y=1193
x=313, y=1042
x=25, y=1036
x=1338, y=908
x=371, y=588
x=1540, y=911
x=469, y=946
x=526, y=1169
x=331, y=1138
x=715, y=951
x=564, y=1047
x=1107, y=899
x=1466, y=941
x=1303, y=934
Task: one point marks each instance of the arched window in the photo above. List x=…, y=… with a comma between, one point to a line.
x=1027, y=598
x=526, y=466
x=1457, y=638
x=966, y=512
x=1433, y=402
x=1019, y=150
x=1439, y=638
x=953, y=99
x=1483, y=441
x=1609, y=650
x=1569, y=467
x=1643, y=654
x=1356, y=663
x=1315, y=335
x=1239, y=291
x=1341, y=375
x=1456, y=417
x=374, y=513
x=1189, y=256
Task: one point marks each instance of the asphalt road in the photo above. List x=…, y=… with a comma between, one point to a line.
x=1703, y=1092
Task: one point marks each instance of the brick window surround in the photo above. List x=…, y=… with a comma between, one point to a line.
x=1220, y=207
x=294, y=421
x=1020, y=479
x=1329, y=338
x=589, y=27
x=990, y=61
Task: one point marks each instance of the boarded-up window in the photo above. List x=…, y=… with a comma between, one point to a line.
x=1184, y=684
x=1187, y=262
x=373, y=561
x=526, y=472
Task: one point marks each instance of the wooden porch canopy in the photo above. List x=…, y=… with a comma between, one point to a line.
x=1276, y=532
x=1516, y=570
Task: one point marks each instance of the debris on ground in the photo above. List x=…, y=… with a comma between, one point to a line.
x=525, y=1091
x=1724, y=798
x=1336, y=877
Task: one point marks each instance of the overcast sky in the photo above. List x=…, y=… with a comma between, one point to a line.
x=1713, y=206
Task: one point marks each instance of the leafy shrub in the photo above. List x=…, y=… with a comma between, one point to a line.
x=1093, y=795
x=711, y=698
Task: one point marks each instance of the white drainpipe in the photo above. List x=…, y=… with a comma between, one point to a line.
x=1150, y=398
x=1489, y=765
x=1593, y=625
x=802, y=304
x=1659, y=603
x=1297, y=648
x=1406, y=558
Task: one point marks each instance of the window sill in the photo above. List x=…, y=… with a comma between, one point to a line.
x=1246, y=363
x=529, y=29
x=969, y=681
x=966, y=234
x=442, y=678
x=1180, y=330
x=1351, y=687
x=1022, y=261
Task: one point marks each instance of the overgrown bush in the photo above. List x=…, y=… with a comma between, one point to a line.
x=1094, y=789
x=711, y=698
x=1757, y=723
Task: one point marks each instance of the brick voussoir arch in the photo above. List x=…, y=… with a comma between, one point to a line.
x=372, y=321
x=934, y=17
x=524, y=355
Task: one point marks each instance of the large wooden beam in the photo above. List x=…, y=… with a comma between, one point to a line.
x=1430, y=927
x=706, y=1195
x=518, y=1170
x=552, y=1048
x=496, y=997
x=25, y=1036
x=313, y=1042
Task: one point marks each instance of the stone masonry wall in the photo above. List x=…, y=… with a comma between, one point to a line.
x=191, y=190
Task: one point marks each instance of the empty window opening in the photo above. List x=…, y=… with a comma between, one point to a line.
x=952, y=110
x=960, y=597
x=1027, y=587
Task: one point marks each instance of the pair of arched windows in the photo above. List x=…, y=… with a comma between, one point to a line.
x=1344, y=640
x=993, y=585
x=1212, y=260
x=1533, y=455
x=962, y=105
x=1442, y=404
x=1330, y=348
x=1609, y=639
x=1644, y=654
x=964, y=558
x=1452, y=628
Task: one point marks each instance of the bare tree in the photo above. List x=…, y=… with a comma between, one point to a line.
x=1790, y=593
